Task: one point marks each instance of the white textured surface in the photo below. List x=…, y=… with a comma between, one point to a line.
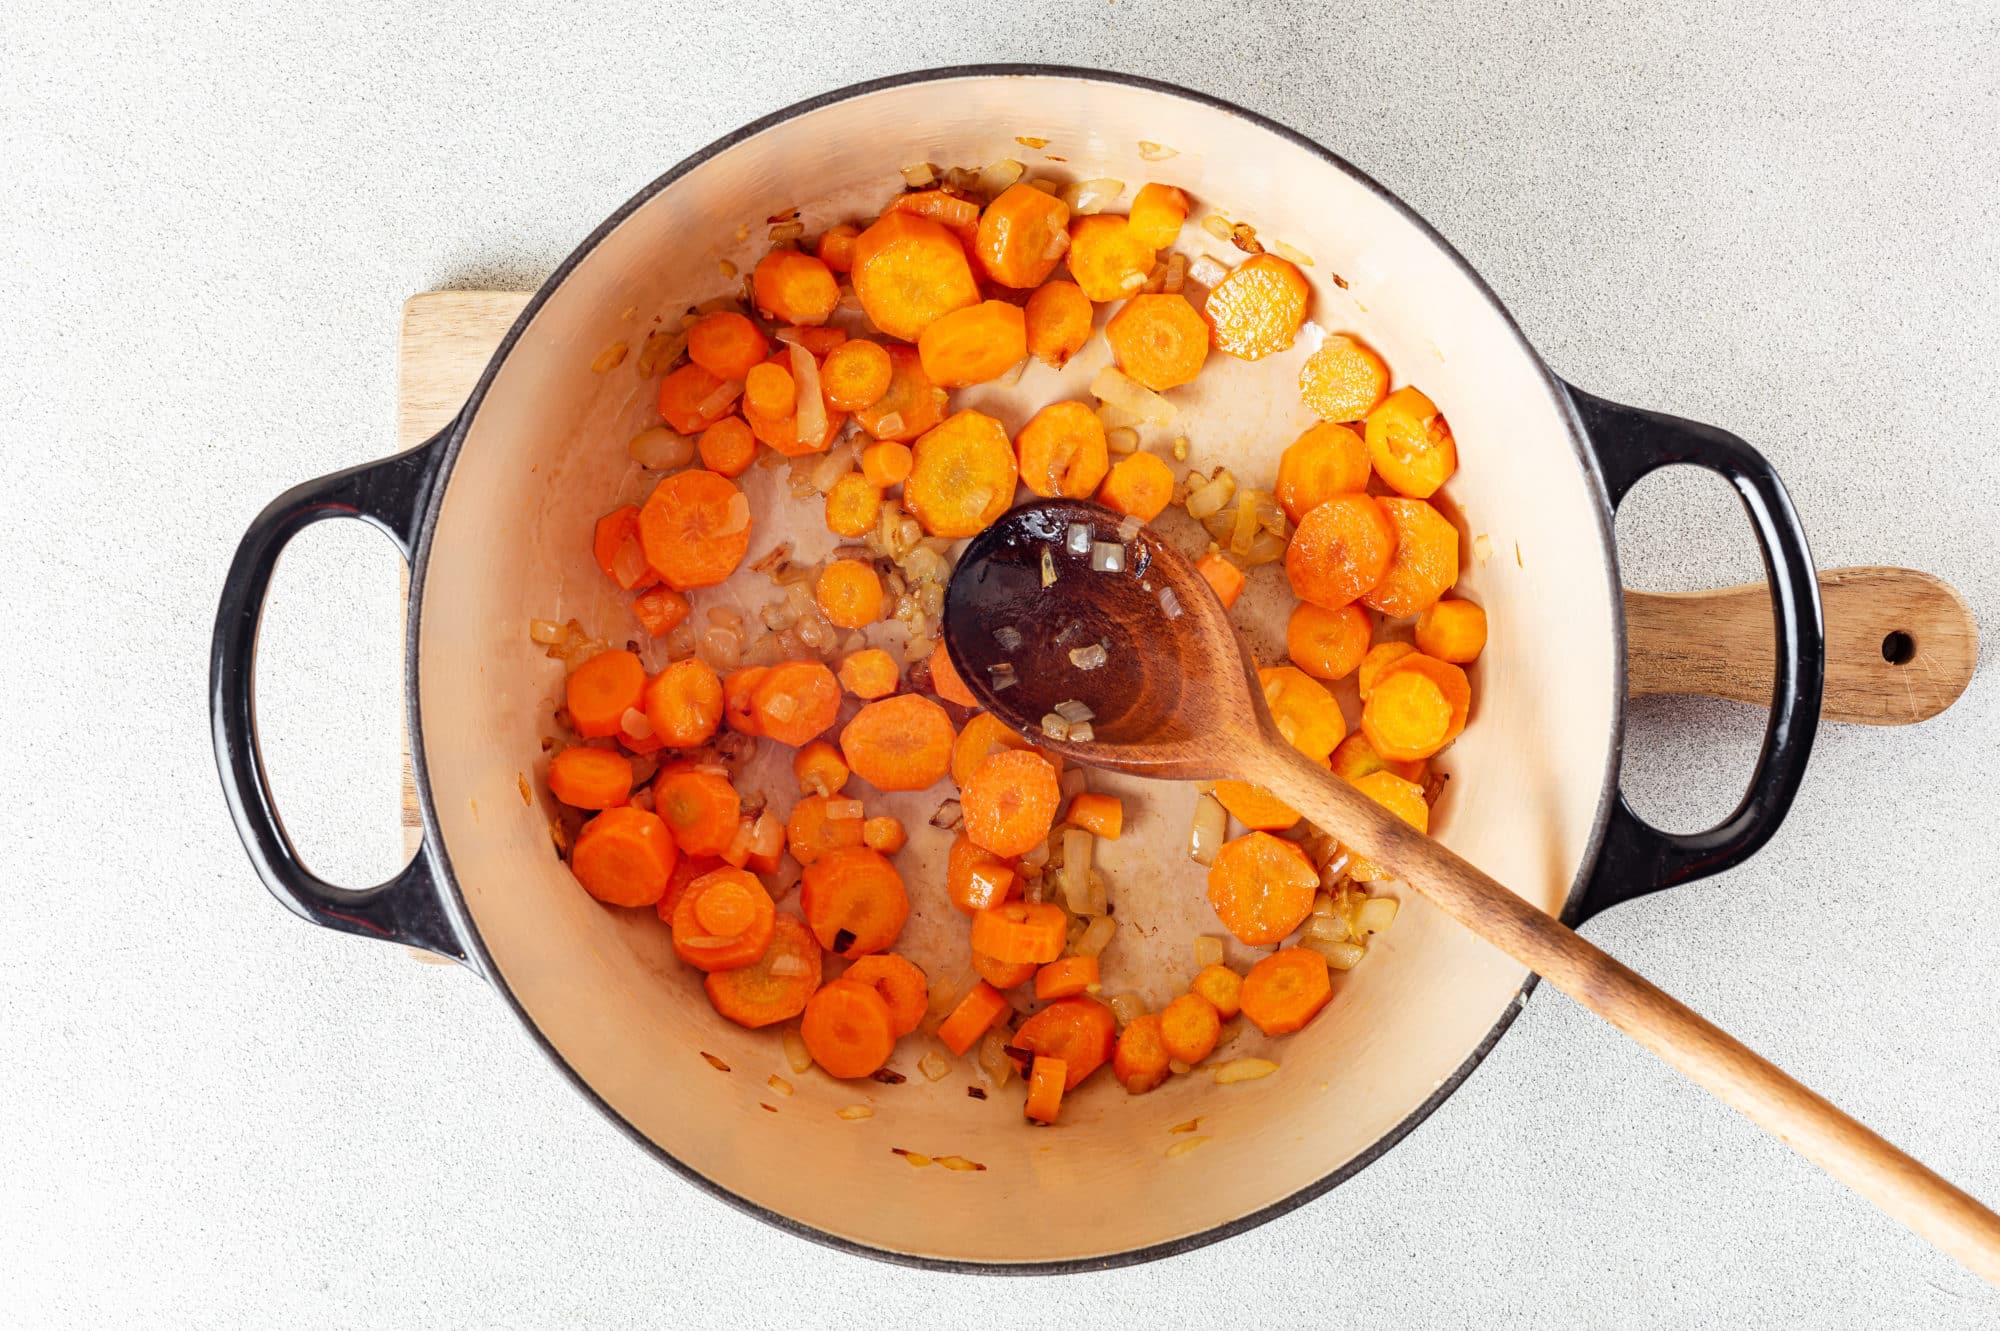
x=1777, y=217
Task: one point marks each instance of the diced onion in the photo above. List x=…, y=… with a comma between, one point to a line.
x=661, y=449
x=1007, y=638
x=1107, y=557
x=767, y=837
x=853, y=1112
x=1128, y=526
x=1048, y=568
x=947, y=816
x=1127, y=1007
x=842, y=810
x=1243, y=1069
x=1056, y=246
x=1055, y=727
x=918, y=174
x=1207, y=270
x=1156, y=152
x=1037, y=857
x=934, y=1066
x=1076, y=538
x=1206, y=833
x=1088, y=658
x=775, y=1082
x=1218, y=226
x=1376, y=915
x=719, y=398
x=635, y=723
x=1074, y=782
x=811, y=418
x=1284, y=251
x=1179, y=1068
x=1170, y=604
x=546, y=631
x=1091, y=196
x=1122, y=439
x=1000, y=175
x=1209, y=499
x=993, y=1060
x=1207, y=950
x=788, y=964
x=1183, y=1146
x=739, y=845
x=1340, y=956
x=1176, y=277
x=889, y=425
x=1081, y=732
x=1096, y=937
x=1128, y=394
x=1075, y=709
x=1076, y=852
x=1245, y=527
x=1328, y=928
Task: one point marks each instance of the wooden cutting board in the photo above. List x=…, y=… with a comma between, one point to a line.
x=1901, y=645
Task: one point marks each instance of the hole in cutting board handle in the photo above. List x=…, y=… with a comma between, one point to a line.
x=1899, y=648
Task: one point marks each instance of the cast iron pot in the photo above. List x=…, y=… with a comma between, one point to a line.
x=489, y=514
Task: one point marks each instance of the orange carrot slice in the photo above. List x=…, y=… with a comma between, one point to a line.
x=899, y=743
x=1080, y=1031
x=1010, y=802
x=794, y=288
x=1258, y=309
x=963, y=477
x=695, y=529
x=975, y=344
x=599, y=692
x=1140, y=485
x=968, y=1021
x=1020, y=931
x=1262, y=888
x=796, y=702
x=624, y=857
x=1159, y=340
x=1058, y=322
x=684, y=704
x=1327, y=644
x=1022, y=235
x=1410, y=444
x=1189, y=1028
x=1062, y=451
x=700, y=807
x=1340, y=550
x=586, y=778
x=854, y=900
x=1065, y=977
x=1453, y=631
x=1140, y=1061
x=909, y=271
x=1425, y=563
x=1325, y=461
x=847, y=1029
x=1286, y=990
x=1344, y=380
x=902, y=984
x=725, y=920
x=1046, y=1079
x=773, y=988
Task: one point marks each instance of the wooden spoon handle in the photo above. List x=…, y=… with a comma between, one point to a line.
x=1711, y=1057
x=1718, y=644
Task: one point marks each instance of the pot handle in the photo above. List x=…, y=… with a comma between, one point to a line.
x=1637, y=858
x=390, y=495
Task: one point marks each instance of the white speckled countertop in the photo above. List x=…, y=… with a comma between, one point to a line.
x=1772, y=215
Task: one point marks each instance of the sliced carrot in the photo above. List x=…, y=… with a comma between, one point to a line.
x=1065, y=977
x=1325, y=461
x=910, y=407
x=1108, y=261
x=695, y=529
x=976, y=879
x=811, y=830
x=819, y=769
x=624, y=857
x=856, y=375
x=849, y=593
x=975, y=344
x=1410, y=444
x=1425, y=563
x=692, y=399
x=1380, y=657
x=902, y=984
x=1046, y=1079
x=626, y=567
x=1286, y=990
x=819, y=341
x=835, y=247
x=599, y=692
x=1344, y=380
x=728, y=447
x=725, y=920
x=687, y=868
x=908, y=271
x=1080, y=1031
x=1254, y=807
x=1258, y=309
x=701, y=809
x=1159, y=340
x=963, y=477
x=782, y=432
x=684, y=703
x=1189, y=1028
x=847, y=1029
x=767, y=842
x=1262, y=888
x=726, y=344
x=1355, y=758
x=794, y=288
x=887, y=463
x=869, y=673
x=945, y=681
x=1022, y=236
x=586, y=778
x=796, y=702
x=1141, y=1061
x=1018, y=931
x=659, y=610
x=1100, y=815
x=1140, y=485
x=769, y=390
x=983, y=736
x=776, y=986
x=1157, y=214
x=899, y=743
x=1327, y=644
x=1062, y=452
x=968, y=1021
x=1403, y=798
x=1407, y=717
x=1340, y=550
x=631, y=743
x=1002, y=974
x=884, y=833
x=1059, y=319
x=1450, y=681
x=739, y=690
x=853, y=506
x=1222, y=987
x=854, y=900
x=1453, y=631
x=1010, y=802
x=1306, y=714
x=1222, y=576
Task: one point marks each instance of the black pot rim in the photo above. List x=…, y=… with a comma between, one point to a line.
x=481, y=960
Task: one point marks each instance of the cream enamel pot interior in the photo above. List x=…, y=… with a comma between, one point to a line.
x=492, y=513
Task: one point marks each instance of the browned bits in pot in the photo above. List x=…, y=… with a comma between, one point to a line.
x=766, y=1104
x=889, y=1076
x=1188, y=1126
x=976, y=1092
x=961, y=1165
x=916, y=1158
x=609, y=359
x=1340, y=281
x=715, y=1062
x=1031, y=141
x=1244, y=237
x=527, y=795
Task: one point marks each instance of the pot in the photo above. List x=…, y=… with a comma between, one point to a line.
x=490, y=515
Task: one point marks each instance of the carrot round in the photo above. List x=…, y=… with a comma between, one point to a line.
x=1258, y=309
x=887, y=463
x=1327, y=644
x=855, y=375
x=1107, y=260
x=1344, y=380
x=945, y=682
x=849, y=593
x=819, y=769
x=1047, y=1078
x=847, y=1029
x=1325, y=461
x=1189, y=1028
x=884, y=833
x=659, y=610
x=1222, y=987
x=835, y=247
x=902, y=984
x=1022, y=236
x=1002, y=974
x=773, y=988
x=811, y=831
x=976, y=879
x=1306, y=714
x=1157, y=214
x=1453, y=631
x=794, y=288
x=724, y=920
x=854, y=900
x=1062, y=452
x=1380, y=657
x=968, y=1021
x=869, y=673
x=963, y=477
x=1407, y=717
x=1410, y=444
x=727, y=447
x=1058, y=322
x=853, y=506
x=1010, y=802
x=1340, y=550
x=607, y=546
x=1160, y=340
x=586, y=778
x=975, y=344
x=1140, y=485
x=700, y=807
x=908, y=271
x=1020, y=931
x=899, y=743
x=726, y=344
x=599, y=692
x=1286, y=990
x=1254, y=807
x=1355, y=758
x=624, y=857
x=796, y=702
x=1079, y=1031
x=684, y=703
x=768, y=389
x=1065, y=977
x=1425, y=562
x=1223, y=577
x=819, y=341
x=1100, y=815
x=1262, y=888
x=692, y=399
x=687, y=868
x=695, y=529
x=1449, y=679
x=739, y=689
x=1140, y=1061
x=911, y=406
x=1403, y=798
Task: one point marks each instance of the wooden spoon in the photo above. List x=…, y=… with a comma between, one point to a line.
x=1174, y=698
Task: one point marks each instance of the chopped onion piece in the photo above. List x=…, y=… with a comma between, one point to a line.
x=1081, y=733
x=947, y=816
x=854, y=1112
x=1127, y=1007
x=890, y=425
x=1243, y=1069
x=1096, y=937
x=1073, y=783
x=934, y=1066
x=1090, y=196
x=1129, y=526
x=796, y=1054
x=1107, y=557
x=1048, y=568
x=1170, y=603
x=1207, y=270
x=1375, y=916
x=1122, y=439
x=1176, y=276
x=788, y=965
x=1003, y=676
x=783, y=706
x=1156, y=152
x=1000, y=175
x=1055, y=727
x=719, y=398
x=1076, y=852
x=1207, y=950
x=811, y=418
x=1183, y=1146
x=1088, y=658
x=1244, y=529
x=1206, y=833
x=767, y=836
x=826, y=472
x=993, y=1060
x=784, y=231
x=1340, y=956
x=661, y=449
x=547, y=631
x=918, y=174
x=1218, y=226
x=1013, y=376
x=1328, y=928
x=1179, y=1068
x=1008, y=637
x=635, y=723
x=1076, y=538
x=1208, y=499
x=1284, y=251
x=1075, y=709
x=1127, y=394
